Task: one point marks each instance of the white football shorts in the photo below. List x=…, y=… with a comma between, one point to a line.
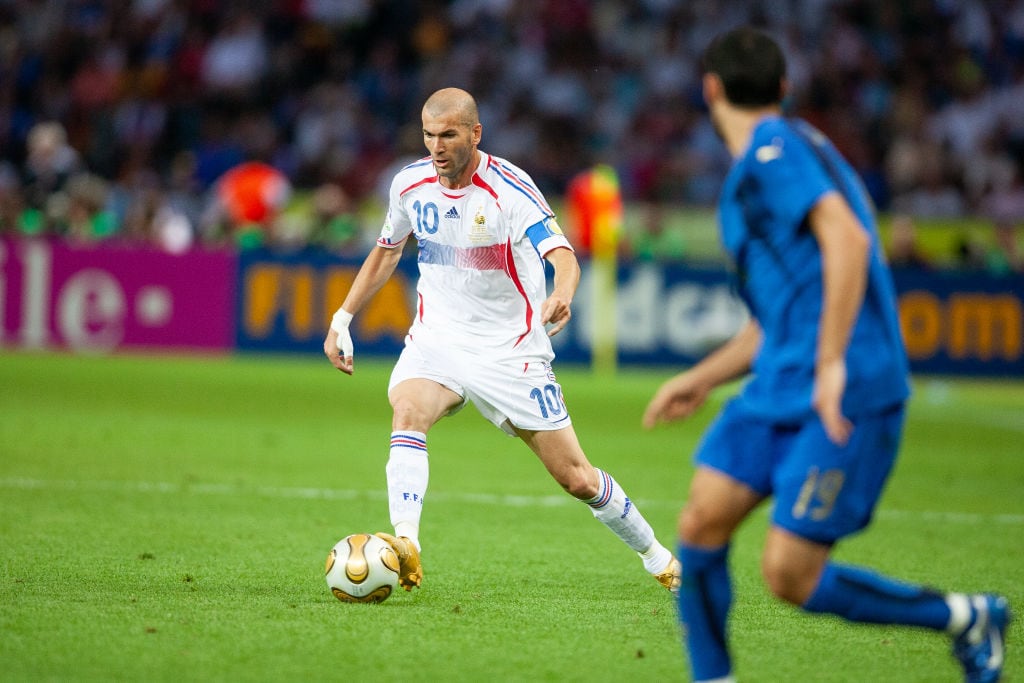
x=507, y=391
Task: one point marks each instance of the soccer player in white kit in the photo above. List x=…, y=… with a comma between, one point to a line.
x=483, y=232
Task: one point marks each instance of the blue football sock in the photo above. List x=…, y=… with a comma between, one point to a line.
x=864, y=596
x=705, y=597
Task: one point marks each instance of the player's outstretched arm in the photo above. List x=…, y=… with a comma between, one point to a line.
x=557, y=308
x=845, y=247
x=375, y=271
x=681, y=395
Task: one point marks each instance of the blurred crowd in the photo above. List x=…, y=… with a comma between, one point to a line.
x=205, y=122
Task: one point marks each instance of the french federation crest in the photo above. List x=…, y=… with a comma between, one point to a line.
x=478, y=231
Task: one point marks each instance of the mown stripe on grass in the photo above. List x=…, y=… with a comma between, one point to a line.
x=198, y=488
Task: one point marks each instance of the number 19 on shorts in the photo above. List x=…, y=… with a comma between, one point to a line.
x=818, y=494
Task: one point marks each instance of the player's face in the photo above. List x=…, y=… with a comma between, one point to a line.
x=452, y=146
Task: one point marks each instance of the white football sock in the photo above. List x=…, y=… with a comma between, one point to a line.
x=407, y=474
x=960, y=613
x=656, y=558
x=617, y=512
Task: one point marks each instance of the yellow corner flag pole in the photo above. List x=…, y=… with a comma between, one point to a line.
x=607, y=226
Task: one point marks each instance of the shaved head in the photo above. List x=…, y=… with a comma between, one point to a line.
x=449, y=101
x=451, y=132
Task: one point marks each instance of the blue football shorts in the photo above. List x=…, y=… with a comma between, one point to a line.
x=822, y=491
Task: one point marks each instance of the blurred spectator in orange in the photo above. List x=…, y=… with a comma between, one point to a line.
x=246, y=201
x=594, y=209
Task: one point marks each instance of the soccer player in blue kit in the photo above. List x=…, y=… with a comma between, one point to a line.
x=817, y=426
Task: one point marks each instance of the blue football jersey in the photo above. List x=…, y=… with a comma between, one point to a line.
x=763, y=215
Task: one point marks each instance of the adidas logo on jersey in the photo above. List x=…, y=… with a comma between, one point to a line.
x=452, y=214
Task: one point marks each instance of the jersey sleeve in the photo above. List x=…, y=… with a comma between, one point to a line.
x=786, y=163
x=546, y=235
x=522, y=199
x=397, y=223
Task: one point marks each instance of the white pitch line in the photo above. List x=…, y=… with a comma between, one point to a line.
x=506, y=500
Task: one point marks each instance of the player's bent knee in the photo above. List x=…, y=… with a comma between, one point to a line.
x=700, y=526
x=410, y=415
x=779, y=583
x=789, y=581
x=578, y=485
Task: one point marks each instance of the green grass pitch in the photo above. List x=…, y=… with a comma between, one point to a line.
x=166, y=518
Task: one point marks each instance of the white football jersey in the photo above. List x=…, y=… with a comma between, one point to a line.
x=481, y=252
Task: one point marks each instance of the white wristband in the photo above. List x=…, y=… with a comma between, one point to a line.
x=341, y=320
